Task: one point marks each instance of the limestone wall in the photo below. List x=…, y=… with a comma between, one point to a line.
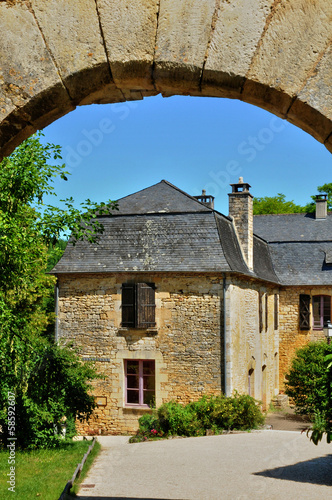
x=186, y=345
x=252, y=349
x=291, y=337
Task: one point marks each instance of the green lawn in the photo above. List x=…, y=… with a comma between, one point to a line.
x=44, y=473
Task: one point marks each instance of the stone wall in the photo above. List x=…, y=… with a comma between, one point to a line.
x=291, y=337
x=251, y=349
x=186, y=345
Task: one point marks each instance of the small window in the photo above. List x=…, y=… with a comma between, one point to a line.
x=276, y=311
x=321, y=308
x=140, y=382
x=260, y=311
x=138, y=305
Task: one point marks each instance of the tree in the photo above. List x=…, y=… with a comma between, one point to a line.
x=323, y=417
x=275, y=205
x=49, y=383
x=309, y=385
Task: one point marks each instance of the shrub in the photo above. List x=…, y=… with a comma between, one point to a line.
x=217, y=413
x=177, y=419
x=307, y=379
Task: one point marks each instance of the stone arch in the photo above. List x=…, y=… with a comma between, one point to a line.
x=58, y=54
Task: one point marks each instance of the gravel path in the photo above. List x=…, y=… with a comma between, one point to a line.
x=258, y=465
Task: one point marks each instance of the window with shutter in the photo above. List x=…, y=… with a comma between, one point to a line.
x=145, y=305
x=260, y=309
x=304, y=312
x=138, y=305
x=276, y=312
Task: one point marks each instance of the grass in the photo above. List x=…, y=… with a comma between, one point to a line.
x=44, y=473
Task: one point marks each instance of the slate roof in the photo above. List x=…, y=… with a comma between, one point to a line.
x=293, y=227
x=161, y=228
x=163, y=197
x=300, y=247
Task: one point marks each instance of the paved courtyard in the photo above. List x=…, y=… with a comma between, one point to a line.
x=268, y=464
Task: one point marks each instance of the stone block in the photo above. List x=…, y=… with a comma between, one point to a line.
x=182, y=39
x=75, y=42
x=28, y=76
x=237, y=29
x=129, y=30
x=294, y=37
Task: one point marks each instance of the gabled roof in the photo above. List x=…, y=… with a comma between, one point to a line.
x=164, y=229
x=160, y=198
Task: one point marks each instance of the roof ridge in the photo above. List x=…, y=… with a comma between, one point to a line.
x=186, y=194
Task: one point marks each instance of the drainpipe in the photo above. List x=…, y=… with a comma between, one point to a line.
x=227, y=347
x=56, y=301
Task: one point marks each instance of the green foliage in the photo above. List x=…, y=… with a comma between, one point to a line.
x=323, y=416
x=276, y=205
x=306, y=381
x=217, y=413
x=324, y=189
x=57, y=465
x=176, y=419
x=50, y=384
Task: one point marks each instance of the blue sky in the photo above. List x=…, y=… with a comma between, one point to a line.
x=195, y=143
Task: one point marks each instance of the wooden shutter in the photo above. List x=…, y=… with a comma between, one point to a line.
x=276, y=312
x=145, y=305
x=128, y=305
x=260, y=310
x=304, y=312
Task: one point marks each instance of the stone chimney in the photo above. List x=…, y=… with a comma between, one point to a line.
x=241, y=211
x=321, y=206
x=206, y=199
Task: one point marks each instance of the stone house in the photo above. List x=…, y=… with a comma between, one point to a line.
x=177, y=300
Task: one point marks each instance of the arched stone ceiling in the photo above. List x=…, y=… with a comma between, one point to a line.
x=59, y=54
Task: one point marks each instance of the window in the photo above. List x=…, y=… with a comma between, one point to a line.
x=140, y=381
x=276, y=311
x=321, y=308
x=260, y=310
x=251, y=382
x=138, y=305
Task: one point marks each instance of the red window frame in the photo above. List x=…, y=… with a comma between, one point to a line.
x=321, y=311
x=140, y=377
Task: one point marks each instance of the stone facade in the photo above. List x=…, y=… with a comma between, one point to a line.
x=254, y=340
x=275, y=54
x=187, y=343
x=291, y=336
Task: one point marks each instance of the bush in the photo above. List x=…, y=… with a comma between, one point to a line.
x=307, y=383
x=218, y=413
x=179, y=420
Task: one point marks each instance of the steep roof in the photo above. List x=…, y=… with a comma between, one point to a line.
x=160, y=198
x=162, y=228
x=300, y=246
